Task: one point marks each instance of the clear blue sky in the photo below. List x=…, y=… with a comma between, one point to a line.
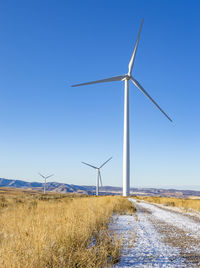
x=49, y=127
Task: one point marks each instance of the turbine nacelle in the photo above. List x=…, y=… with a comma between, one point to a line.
x=126, y=77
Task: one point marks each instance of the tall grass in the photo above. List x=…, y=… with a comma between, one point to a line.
x=48, y=231
x=184, y=203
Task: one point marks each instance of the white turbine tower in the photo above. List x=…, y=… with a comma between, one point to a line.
x=126, y=78
x=45, y=180
x=98, y=174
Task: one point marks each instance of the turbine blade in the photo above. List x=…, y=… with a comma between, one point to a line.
x=111, y=79
x=131, y=63
x=41, y=175
x=105, y=162
x=100, y=178
x=89, y=165
x=49, y=176
x=137, y=84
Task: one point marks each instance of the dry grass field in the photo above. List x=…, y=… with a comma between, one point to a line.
x=185, y=203
x=58, y=230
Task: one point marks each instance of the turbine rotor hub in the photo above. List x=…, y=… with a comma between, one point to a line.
x=127, y=77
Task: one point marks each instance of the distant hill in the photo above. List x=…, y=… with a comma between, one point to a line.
x=71, y=188
x=18, y=183
x=50, y=186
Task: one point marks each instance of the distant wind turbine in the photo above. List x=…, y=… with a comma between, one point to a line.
x=45, y=180
x=126, y=78
x=98, y=174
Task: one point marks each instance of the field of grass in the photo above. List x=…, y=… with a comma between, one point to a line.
x=58, y=230
x=185, y=203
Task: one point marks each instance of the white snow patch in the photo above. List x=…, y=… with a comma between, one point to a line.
x=189, y=212
x=147, y=250
x=180, y=221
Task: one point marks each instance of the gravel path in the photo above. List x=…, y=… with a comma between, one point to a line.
x=158, y=237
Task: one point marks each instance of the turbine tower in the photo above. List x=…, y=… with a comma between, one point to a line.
x=126, y=78
x=98, y=174
x=45, y=180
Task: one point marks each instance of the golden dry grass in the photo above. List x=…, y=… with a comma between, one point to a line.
x=58, y=230
x=185, y=203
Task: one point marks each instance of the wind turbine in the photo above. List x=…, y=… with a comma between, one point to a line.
x=98, y=174
x=45, y=180
x=126, y=78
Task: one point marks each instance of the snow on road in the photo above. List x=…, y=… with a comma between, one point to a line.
x=181, y=221
x=156, y=237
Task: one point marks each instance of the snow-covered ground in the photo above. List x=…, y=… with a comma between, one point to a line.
x=156, y=237
x=171, y=217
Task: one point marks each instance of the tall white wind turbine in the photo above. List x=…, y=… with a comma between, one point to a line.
x=45, y=180
x=98, y=174
x=126, y=78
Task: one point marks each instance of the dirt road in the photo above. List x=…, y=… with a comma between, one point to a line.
x=159, y=237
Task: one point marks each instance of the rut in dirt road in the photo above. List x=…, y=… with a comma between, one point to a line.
x=158, y=237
